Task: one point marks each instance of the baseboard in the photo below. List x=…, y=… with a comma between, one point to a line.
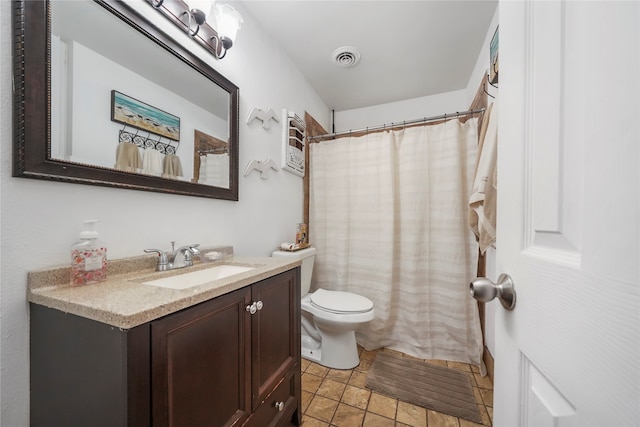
x=487, y=358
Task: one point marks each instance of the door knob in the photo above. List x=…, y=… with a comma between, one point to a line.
x=484, y=290
x=279, y=406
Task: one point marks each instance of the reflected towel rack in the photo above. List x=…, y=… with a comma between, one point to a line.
x=217, y=150
x=147, y=142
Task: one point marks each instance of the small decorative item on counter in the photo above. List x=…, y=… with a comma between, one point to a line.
x=88, y=257
x=301, y=233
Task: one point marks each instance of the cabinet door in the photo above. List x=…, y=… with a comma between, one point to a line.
x=275, y=332
x=201, y=364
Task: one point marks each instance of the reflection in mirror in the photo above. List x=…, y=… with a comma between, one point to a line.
x=123, y=103
x=131, y=109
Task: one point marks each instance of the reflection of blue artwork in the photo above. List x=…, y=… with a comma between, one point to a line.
x=493, y=55
x=130, y=111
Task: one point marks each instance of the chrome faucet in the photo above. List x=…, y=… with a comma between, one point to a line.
x=178, y=258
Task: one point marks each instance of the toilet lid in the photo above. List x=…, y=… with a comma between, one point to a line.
x=340, y=302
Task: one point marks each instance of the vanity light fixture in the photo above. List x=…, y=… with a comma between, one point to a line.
x=196, y=12
x=227, y=21
x=200, y=17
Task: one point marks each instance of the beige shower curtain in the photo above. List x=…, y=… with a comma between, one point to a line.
x=389, y=218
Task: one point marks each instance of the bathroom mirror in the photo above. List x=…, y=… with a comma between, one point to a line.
x=104, y=97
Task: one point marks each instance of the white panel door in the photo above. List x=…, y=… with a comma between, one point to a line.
x=569, y=214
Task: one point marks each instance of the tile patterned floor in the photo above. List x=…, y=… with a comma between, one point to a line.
x=338, y=398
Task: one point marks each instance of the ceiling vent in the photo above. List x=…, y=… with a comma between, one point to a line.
x=346, y=56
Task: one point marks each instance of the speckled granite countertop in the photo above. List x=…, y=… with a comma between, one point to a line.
x=124, y=301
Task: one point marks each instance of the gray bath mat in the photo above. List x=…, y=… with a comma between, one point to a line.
x=433, y=387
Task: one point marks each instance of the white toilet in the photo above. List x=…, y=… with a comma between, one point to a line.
x=329, y=318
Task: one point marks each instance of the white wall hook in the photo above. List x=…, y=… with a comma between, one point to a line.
x=262, y=167
x=264, y=116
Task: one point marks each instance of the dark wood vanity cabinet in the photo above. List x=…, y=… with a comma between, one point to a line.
x=219, y=362
x=200, y=364
x=275, y=352
x=213, y=364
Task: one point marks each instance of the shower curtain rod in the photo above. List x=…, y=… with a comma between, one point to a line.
x=394, y=125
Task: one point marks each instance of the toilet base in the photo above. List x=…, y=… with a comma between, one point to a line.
x=314, y=355
x=338, y=351
x=329, y=338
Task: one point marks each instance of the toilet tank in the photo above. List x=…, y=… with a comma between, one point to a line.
x=308, y=257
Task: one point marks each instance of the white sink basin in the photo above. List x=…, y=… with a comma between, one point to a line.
x=195, y=278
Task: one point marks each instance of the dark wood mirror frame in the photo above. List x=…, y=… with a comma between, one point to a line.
x=32, y=114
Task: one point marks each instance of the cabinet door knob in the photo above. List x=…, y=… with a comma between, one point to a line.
x=279, y=406
x=259, y=305
x=252, y=308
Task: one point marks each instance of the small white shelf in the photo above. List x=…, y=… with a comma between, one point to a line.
x=294, y=144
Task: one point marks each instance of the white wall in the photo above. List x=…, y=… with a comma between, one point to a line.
x=426, y=106
x=39, y=220
x=397, y=112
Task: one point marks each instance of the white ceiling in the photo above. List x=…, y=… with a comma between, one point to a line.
x=408, y=49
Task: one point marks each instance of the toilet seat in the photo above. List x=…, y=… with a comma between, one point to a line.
x=339, y=302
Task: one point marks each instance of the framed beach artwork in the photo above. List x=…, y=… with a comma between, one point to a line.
x=131, y=112
x=493, y=59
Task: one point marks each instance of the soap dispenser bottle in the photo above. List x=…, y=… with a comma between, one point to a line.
x=88, y=257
